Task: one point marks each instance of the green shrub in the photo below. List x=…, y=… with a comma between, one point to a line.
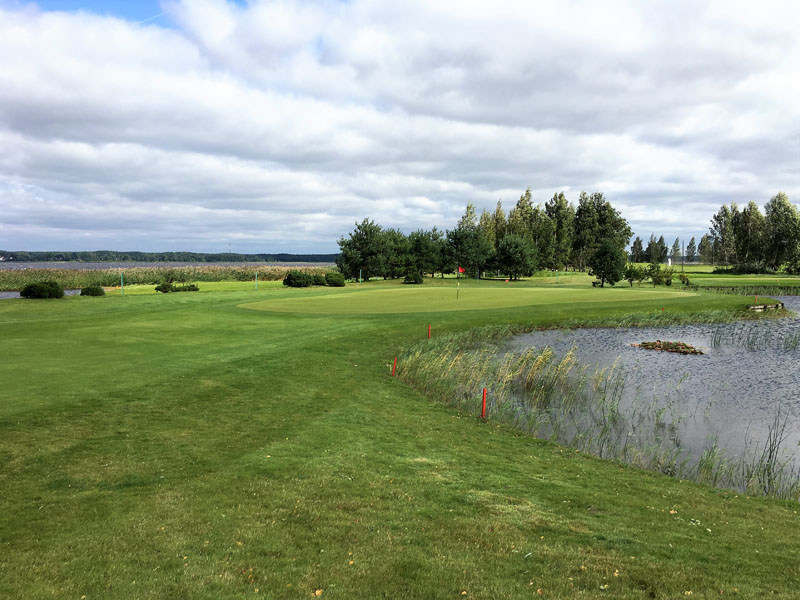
x=167, y=287
x=93, y=290
x=42, y=289
x=413, y=277
x=298, y=279
x=319, y=279
x=334, y=279
x=189, y=287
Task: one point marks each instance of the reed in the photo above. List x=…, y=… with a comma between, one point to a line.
x=16, y=279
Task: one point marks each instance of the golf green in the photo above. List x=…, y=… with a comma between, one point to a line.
x=414, y=299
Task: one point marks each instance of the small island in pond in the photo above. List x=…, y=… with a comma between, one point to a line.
x=679, y=347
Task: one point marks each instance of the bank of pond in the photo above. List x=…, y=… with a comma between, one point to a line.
x=726, y=413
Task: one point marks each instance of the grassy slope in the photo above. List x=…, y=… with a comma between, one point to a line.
x=181, y=446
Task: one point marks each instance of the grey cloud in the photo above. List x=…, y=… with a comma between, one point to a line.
x=282, y=123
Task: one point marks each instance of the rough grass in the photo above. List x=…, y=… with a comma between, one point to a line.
x=180, y=446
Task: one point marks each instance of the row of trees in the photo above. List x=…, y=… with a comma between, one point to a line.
x=752, y=240
x=657, y=251
x=553, y=235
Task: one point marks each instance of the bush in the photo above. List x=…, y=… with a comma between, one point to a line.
x=413, y=277
x=319, y=279
x=298, y=279
x=334, y=278
x=167, y=287
x=667, y=275
x=744, y=269
x=42, y=289
x=684, y=279
x=93, y=290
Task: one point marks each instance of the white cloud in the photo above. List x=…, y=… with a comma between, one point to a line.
x=278, y=124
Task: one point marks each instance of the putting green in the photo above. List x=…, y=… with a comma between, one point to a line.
x=409, y=300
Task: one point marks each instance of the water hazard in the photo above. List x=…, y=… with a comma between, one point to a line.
x=732, y=393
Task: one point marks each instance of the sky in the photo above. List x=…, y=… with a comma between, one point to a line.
x=276, y=125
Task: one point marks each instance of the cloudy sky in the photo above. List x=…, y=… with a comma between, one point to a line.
x=272, y=126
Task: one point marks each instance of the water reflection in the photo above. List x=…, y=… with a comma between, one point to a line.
x=732, y=392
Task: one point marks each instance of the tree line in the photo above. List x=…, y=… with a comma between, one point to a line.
x=556, y=235
x=751, y=241
x=745, y=240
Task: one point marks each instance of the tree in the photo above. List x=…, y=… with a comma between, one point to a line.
x=655, y=273
x=362, y=252
x=653, y=252
x=542, y=231
x=637, y=251
x=596, y=220
x=562, y=214
x=706, y=249
x=748, y=234
x=691, y=251
x=675, y=252
x=515, y=256
x=500, y=225
x=426, y=250
x=608, y=262
x=396, y=253
x=468, y=247
x=486, y=225
x=519, y=219
x=782, y=230
x=662, y=250
x=722, y=234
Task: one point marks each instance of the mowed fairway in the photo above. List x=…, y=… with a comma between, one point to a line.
x=183, y=446
x=410, y=299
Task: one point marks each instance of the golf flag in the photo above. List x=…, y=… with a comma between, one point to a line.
x=460, y=269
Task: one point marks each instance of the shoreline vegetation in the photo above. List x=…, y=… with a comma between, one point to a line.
x=559, y=400
x=12, y=280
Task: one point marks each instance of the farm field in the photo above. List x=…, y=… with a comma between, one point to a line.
x=240, y=443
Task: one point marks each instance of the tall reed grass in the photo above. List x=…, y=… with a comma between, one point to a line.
x=751, y=290
x=16, y=279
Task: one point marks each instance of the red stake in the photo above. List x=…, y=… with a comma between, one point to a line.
x=394, y=366
x=662, y=309
x=483, y=408
x=429, y=331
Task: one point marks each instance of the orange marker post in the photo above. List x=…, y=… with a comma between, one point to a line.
x=483, y=408
x=429, y=331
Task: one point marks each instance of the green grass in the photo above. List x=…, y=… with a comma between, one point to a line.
x=187, y=446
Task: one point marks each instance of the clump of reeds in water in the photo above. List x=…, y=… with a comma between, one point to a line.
x=563, y=401
x=754, y=337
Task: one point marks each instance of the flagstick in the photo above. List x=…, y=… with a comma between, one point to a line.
x=458, y=284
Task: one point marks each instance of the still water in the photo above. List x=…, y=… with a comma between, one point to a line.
x=749, y=371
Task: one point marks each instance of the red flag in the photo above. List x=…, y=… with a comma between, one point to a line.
x=460, y=269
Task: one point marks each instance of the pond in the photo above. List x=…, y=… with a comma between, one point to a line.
x=10, y=295
x=732, y=393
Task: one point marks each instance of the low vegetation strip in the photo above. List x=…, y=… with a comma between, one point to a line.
x=15, y=279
